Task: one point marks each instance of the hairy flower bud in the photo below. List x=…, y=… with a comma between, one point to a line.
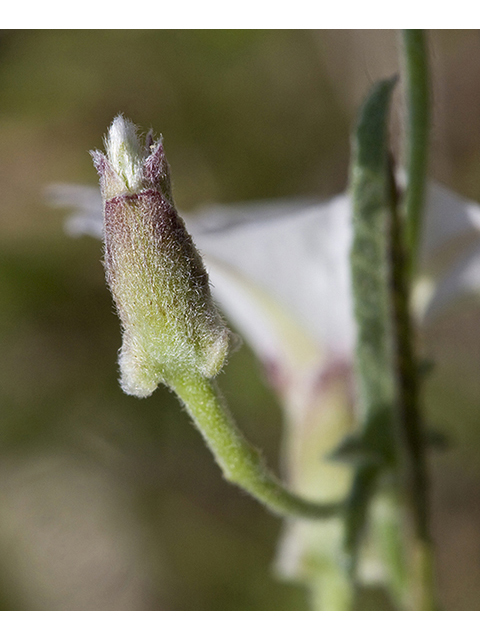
x=156, y=276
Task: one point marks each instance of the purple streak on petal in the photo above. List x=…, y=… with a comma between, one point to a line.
x=275, y=374
x=336, y=369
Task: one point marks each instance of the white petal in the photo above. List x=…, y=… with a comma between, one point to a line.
x=448, y=217
x=300, y=258
x=125, y=152
x=86, y=205
x=461, y=281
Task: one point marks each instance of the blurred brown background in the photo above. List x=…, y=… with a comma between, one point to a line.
x=108, y=502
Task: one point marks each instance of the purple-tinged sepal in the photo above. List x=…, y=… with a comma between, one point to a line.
x=156, y=170
x=156, y=276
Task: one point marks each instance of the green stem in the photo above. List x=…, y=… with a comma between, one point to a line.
x=418, y=127
x=404, y=264
x=424, y=577
x=240, y=462
x=411, y=436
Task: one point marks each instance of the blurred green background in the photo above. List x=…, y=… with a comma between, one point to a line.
x=108, y=502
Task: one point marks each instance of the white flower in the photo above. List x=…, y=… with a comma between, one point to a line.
x=280, y=272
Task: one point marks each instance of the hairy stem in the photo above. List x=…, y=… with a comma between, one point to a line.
x=240, y=462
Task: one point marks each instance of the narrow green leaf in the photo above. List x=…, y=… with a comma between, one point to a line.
x=372, y=196
x=369, y=255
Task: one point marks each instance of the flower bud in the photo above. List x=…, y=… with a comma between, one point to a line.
x=156, y=276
